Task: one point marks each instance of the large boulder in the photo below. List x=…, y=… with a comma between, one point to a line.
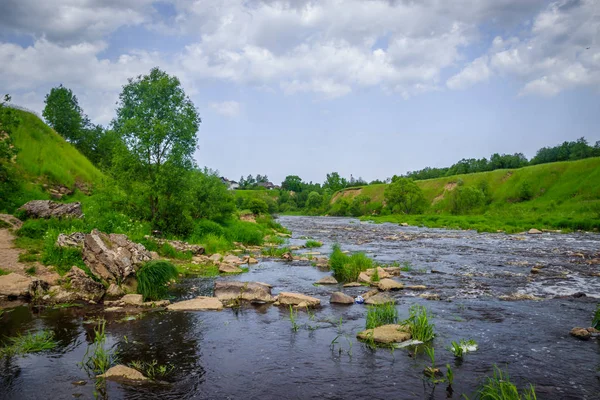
x=225, y=268
x=113, y=257
x=52, y=209
x=121, y=372
x=14, y=285
x=84, y=286
x=386, y=334
x=295, y=299
x=341, y=298
x=381, y=273
x=198, y=304
x=254, y=292
x=379, y=299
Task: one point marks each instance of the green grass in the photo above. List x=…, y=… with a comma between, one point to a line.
x=312, y=244
x=153, y=277
x=215, y=244
x=44, y=153
x=381, y=314
x=347, y=268
x=566, y=196
x=29, y=343
x=97, y=358
x=420, y=326
x=275, y=252
x=31, y=270
x=4, y=224
x=245, y=232
x=499, y=387
x=3, y=272
x=198, y=269
x=152, y=370
x=596, y=318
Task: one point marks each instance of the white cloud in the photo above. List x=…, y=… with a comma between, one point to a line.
x=477, y=71
x=560, y=52
x=226, y=108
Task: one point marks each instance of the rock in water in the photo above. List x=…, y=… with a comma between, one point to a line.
x=254, y=292
x=84, y=286
x=52, y=209
x=113, y=257
x=389, y=284
x=123, y=372
x=581, y=333
x=198, y=304
x=379, y=299
x=229, y=269
x=14, y=285
x=386, y=334
x=341, y=298
x=133, y=299
x=534, y=231
x=287, y=298
x=328, y=280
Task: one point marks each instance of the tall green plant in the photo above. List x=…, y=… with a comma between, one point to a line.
x=381, y=314
x=347, y=268
x=153, y=278
x=420, y=327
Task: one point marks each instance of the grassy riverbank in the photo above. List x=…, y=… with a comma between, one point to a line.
x=562, y=195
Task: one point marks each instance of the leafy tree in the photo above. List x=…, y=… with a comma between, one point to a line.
x=404, y=195
x=157, y=123
x=466, y=199
x=314, y=200
x=210, y=198
x=257, y=206
x=292, y=183
x=334, y=182
x=62, y=112
x=359, y=205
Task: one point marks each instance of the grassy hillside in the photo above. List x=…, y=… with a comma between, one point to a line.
x=45, y=154
x=564, y=195
x=45, y=161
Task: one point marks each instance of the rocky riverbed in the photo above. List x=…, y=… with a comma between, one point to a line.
x=518, y=296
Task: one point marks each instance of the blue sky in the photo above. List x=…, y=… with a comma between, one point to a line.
x=370, y=88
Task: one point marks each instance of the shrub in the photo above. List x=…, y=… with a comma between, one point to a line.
x=525, y=191
x=405, y=196
x=215, y=244
x=466, y=199
x=381, y=314
x=257, y=206
x=347, y=268
x=153, y=278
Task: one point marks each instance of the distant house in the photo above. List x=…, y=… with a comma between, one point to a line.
x=268, y=185
x=231, y=185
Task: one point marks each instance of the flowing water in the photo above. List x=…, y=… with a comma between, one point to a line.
x=252, y=352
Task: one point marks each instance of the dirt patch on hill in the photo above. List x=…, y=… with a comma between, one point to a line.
x=352, y=192
x=448, y=187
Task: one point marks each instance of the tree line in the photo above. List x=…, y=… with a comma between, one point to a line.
x=567, y=151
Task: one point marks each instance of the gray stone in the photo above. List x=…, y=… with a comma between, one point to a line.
x=341, y=298
x=52, y=209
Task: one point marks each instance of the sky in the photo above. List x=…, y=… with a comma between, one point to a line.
x=368, y=88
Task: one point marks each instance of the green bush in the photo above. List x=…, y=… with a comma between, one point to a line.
x=215, y=244
x=525, y=191
x=153, y=277
x=466, y=199
x=381, y=314
x=204, y=227
x=257, y=206
x=347, y=268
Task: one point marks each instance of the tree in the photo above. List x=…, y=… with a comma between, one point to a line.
x=63, y=114
x=466, y=199
x=335, y=182
x=314, y=200
x=405, y=195
x=157, y=123
x=292, y=183
x=210, y=198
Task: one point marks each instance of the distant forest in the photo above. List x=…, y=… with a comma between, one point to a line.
x=567, y=151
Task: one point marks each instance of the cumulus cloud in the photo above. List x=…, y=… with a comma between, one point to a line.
x=226, y=108
x=560, y=52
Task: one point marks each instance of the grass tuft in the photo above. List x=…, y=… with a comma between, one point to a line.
x=153, y=278
x=499, y=387
x=381, y=314
x=312, y=244
x=420, y=327
x=347, y=268
x=97, y=358
x=29, y=343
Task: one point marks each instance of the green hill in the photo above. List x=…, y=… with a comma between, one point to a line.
x=562, y=195
x=46, y=162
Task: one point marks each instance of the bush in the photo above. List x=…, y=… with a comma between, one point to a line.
x=404, y=196
x=153, y=277
x=525, y=191
x=205, y=227
x=466, y=199
x=347, y=268
x=257, y=206
x=381, y=314
x=215, y=244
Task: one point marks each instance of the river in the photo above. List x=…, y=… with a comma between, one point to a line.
x=252, y=352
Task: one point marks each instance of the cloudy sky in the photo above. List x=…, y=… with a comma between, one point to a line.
x=364, y=87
